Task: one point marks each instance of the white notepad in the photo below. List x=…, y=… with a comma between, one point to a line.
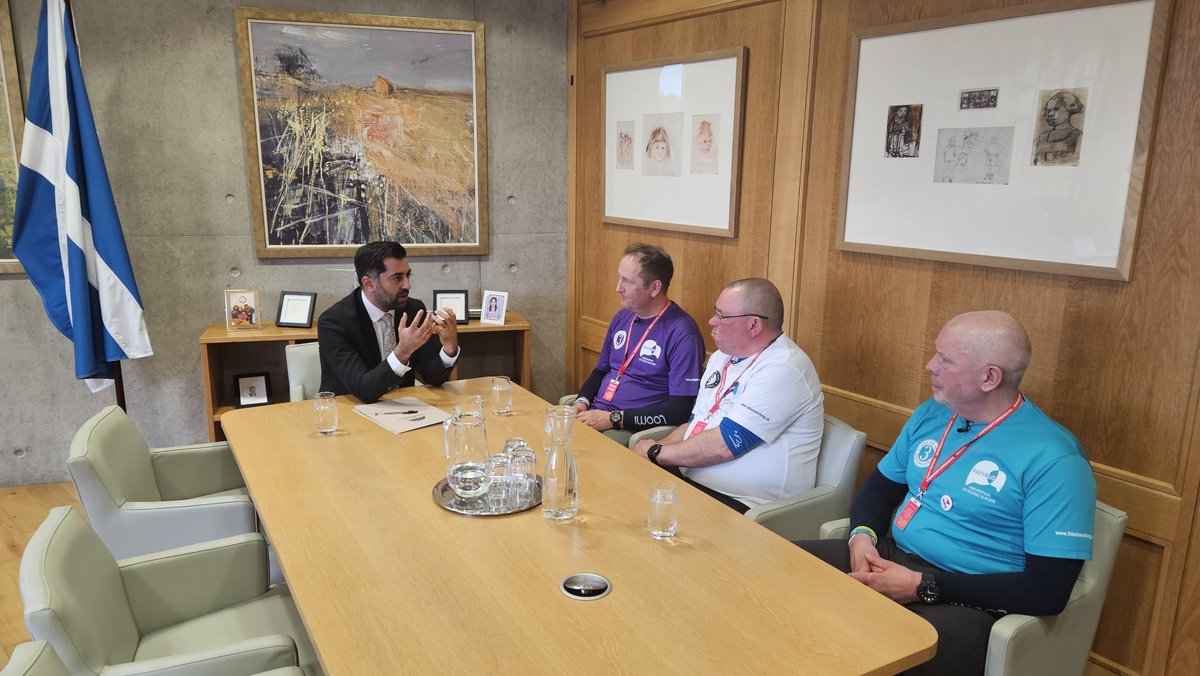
x=402, y=415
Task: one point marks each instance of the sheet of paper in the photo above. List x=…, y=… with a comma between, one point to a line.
x=401, y=415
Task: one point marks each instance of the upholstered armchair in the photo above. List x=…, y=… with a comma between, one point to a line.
x=37, y=658
x=141, y=499
x=197, y=610
x=303, y=369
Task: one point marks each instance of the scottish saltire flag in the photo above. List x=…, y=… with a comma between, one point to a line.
x=66, y=232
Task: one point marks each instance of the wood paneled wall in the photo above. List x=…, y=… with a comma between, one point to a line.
x=1118, y=363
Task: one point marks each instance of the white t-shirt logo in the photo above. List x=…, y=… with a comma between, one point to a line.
x=619, y=339
x=987, y=473
x=650, y=349
x=924, y=453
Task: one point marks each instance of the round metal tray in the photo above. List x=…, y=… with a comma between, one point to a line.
x=446, y=498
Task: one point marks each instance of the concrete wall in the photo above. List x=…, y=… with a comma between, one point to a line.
x=164, y=84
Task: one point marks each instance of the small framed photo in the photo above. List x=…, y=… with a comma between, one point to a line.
x=252, y=389
x=494, y=305
x=241, y=309
x=455, y=300
x=296, y=309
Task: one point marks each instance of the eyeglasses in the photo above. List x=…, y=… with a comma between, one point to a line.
x=721, y=316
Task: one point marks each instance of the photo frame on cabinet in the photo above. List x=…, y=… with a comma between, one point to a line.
x=363, y=128
x=495, y=304
x=672, y=142
x=455, y=300
x=252, y=389
x=296, y=309
x=1018, y=182
x=242, y=309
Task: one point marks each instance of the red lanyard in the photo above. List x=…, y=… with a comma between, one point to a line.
x=935, y=470
x=721, y=395
x=636, y=350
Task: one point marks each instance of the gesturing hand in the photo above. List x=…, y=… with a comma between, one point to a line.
x=410, y=337
x=447, y=330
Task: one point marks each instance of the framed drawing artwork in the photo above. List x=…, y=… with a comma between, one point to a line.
x=252, y=389
x=12, y=120
x=1014, y=138
x=242, y=310
x=296, y=309
x=672, y=142
x=362, y=128
x=455, y=300
x=495, y=303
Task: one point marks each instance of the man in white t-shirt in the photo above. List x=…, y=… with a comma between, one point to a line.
x=755, y=429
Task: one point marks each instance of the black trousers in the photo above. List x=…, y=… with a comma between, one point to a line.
x=962, y=632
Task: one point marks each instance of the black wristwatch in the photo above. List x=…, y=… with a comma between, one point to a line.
x=617, y=418
x=652, y=453
x=927, y=591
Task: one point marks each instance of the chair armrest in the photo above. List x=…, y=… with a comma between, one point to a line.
x=799, y=517
x=147, y=527
x=244, y=658
x=652, y=433
x=1049, y=644
x=568, y=400
x=835, y=530
x=177, y=585
x=296, y=393
x=184, y=472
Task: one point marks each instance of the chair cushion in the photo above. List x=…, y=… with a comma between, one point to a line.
x=271, y=613
x=231, y=491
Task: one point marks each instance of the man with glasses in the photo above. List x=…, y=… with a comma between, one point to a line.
x=649, y=367
x=377, y=338
x=755, y=429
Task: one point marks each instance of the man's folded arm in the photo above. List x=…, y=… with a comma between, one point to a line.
x=674, y=410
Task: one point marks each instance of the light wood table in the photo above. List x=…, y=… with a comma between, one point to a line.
x=389, y=582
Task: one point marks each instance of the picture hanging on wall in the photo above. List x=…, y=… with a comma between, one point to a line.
x=672, y=139
x=12, y=120
x=1011, y=182
x=363, y=128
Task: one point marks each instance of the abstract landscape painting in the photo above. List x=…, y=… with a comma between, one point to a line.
x=364, y=128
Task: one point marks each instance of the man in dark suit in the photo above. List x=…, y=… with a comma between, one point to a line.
x=377, y=319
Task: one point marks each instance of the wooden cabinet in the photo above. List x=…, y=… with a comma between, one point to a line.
x=224, y=354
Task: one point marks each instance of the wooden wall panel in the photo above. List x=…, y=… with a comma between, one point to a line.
x=597, y=246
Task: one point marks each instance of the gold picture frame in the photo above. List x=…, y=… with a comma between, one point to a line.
x=243, y=309
x=361, y=128
x=11, y=128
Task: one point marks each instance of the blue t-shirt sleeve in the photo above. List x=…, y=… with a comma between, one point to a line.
x=738, y=439
x=1060, y=509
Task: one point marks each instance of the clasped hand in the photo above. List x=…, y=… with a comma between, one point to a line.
x=889, y=578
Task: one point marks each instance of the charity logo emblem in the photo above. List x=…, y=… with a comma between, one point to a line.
x=987, y=473
x=924, y=453
x=619, y=340
x=650, y=349
x=713, y=380
x=947, y=503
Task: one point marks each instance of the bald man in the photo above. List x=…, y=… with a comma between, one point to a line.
x=755, y=429
x=988, y=501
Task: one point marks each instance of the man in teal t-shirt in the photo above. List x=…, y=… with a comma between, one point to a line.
x=983, y=506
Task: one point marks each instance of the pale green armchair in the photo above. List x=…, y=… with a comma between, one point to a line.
x=193, y=611
x=37, y=658
x=1055, y=644
x=800, y=517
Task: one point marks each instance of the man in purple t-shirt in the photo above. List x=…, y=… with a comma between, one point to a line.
x=649, y=368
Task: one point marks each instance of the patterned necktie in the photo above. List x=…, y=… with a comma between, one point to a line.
x=389, y=334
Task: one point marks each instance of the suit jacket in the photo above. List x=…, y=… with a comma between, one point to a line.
x=350, y=358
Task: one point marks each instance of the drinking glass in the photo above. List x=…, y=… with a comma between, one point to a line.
x=325, y=412
x=501, y=395
x=662, y=519
x=522, y=476
x=498, y=493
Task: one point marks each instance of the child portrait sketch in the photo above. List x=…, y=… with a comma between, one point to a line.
x=903, y=130
x=705, y=135
x=1060, y=127
x=662, y=150
x=974, y=155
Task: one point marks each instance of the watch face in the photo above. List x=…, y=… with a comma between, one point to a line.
x=614, y=417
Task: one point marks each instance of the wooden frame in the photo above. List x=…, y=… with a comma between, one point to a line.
x=1079, y=218
x=296, y=309
x=690, y=183
x=455, y=300
x=11, y=128
x=334, y=158
x=252, y=389
x=242, y=309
